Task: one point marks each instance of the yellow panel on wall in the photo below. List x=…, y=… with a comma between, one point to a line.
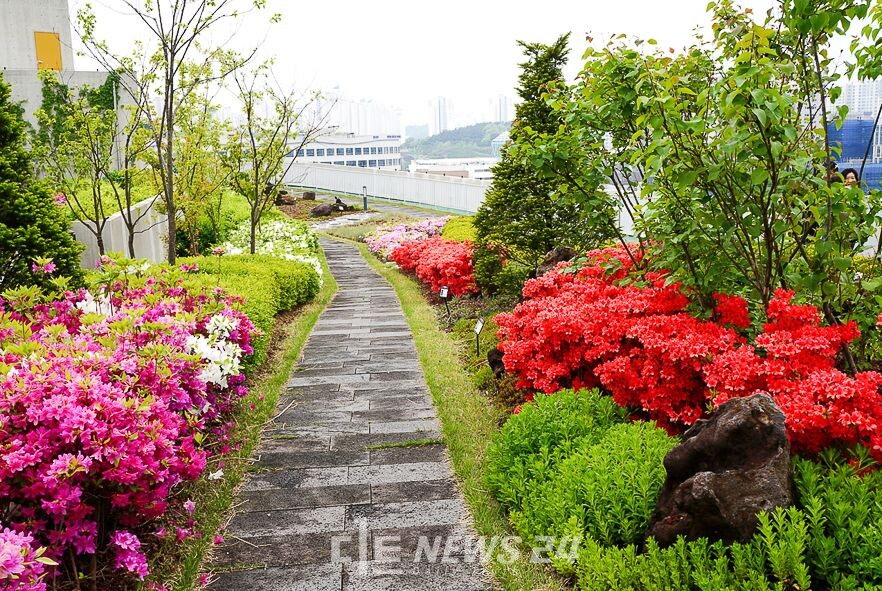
x=48, y=50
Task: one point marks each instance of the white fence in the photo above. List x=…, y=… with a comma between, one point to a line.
x=447, y=193
x=150, y=235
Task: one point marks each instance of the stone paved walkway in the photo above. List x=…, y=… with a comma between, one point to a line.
x=343, y=495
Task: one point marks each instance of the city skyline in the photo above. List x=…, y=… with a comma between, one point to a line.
x=466, y=53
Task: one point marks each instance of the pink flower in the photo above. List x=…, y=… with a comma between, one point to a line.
x=60, y=199
x=47, y=267
x=194, y=268
x=189, y=506
x=218, y=540
x=218, y=251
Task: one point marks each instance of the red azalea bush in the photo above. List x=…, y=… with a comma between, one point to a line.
x=604, y=325
x=438, y=262
x=109, y=402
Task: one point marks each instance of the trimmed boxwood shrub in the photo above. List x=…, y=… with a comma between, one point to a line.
x=606, y=490
x=525, y=451
x=459, y=229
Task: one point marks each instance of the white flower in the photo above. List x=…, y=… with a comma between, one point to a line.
x=91, y=305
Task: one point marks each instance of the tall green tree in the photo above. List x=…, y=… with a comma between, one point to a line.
x=151, y=77
x=521, y=213
x=31, y=225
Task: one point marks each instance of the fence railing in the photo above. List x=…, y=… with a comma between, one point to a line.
x=150, y=235
x=453, y=194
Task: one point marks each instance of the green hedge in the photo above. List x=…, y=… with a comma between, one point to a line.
x=459, y=229
x=606, y=490
x=269, y=285
x=524, y=453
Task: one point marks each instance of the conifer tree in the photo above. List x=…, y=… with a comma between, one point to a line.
x=32, y=226
x=520, y=216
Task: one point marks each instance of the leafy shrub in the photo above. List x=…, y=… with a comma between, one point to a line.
x=32, y=226
x=606, y=489
x=438, y=262
x=496, y=274
x=459, y=229
x=843, y=509
x=773, y=560
x=110, y=400
x=526, y=450
x=278, y=236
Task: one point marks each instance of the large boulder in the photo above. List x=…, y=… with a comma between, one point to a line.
x=729, y=467
x=555, y=256
x=285, y=198
x=494, y=360
x=308, y=196
x=325, y=209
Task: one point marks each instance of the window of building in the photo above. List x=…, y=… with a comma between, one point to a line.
x=373, y=150
x=381, y=163
x=339, y=151
x=362, y=163
x=358, y=151
x=372, y=163
x=300, y=152
x=350, y=163
x=310, y=152
x=349, y=152
x=320, y=152
x=339, y=163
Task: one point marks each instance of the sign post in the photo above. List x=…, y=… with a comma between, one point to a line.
x=443, y=295
x=479, y=326
x=364, y=196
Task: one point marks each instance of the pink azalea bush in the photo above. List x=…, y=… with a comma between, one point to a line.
x=110, y=401
x=386, y=239
x=22, y=566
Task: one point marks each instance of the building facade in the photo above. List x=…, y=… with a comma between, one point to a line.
x=35, y=35
x=467, y=168
x=348, y=149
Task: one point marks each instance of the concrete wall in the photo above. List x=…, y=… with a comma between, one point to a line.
x=150, y=239
x=447, y=193
x=27, y=89
x=19, y=19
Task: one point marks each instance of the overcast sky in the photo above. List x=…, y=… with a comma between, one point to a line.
x=405, y=54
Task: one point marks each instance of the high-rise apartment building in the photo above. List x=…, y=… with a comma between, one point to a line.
x=862, y=97
x=501, y=108
x=440, y=116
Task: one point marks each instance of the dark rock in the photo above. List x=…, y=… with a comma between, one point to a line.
x=285, y=198
x=308, y=196
x=494, y=360
x=342, y=206
x=729, y=467
x=323, y=210
x=555, y=256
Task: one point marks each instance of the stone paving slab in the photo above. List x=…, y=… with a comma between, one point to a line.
x=423, y=490
x=312, y=578
x=345, y=493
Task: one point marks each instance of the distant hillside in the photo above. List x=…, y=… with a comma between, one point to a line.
x=462, y=142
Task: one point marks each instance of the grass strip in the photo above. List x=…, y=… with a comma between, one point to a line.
x=214, y=498
x=468, y=421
